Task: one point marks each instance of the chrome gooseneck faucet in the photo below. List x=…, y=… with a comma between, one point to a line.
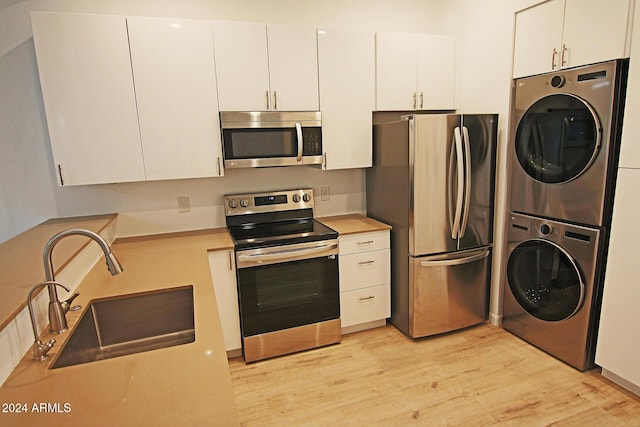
x=57, y=309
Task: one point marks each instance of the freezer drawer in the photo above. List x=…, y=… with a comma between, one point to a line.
x=448, y=291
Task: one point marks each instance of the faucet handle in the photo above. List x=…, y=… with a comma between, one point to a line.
x=40, y=350
x=66, y=304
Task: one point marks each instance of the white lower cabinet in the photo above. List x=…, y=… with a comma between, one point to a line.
x=223, y=275
x=365, y=280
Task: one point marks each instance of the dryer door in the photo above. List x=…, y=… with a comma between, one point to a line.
x=545, y=280
x=558, y=138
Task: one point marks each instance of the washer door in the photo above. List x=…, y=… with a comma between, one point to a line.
x=545, y=280
x=558, y=138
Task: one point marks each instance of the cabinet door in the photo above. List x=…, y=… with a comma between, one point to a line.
x=87, y=87
x=436, y=72
x=364, y=269
x=242, y=65
x=630, y=148
x=293, y=68
x=223, y=275
x=594, y=31
x=346, y=62
x=176, y=95
x=396, y=71
x=538, y=39
x=618, y=348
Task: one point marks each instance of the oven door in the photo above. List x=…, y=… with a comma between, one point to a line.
x=287, y=286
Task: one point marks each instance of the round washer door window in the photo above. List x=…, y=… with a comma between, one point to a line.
x=557, y=138
x=545, y=280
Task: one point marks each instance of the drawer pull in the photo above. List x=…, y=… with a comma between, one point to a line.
x=366, y=262
x=367, y=242
x=370, y=297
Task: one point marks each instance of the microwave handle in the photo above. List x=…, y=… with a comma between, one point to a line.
x=299, y=133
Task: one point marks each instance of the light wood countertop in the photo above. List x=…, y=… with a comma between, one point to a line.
x=183, y=385
x=21, y=258
x=353, y=223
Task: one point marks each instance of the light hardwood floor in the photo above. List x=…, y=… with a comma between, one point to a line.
x=481, y=376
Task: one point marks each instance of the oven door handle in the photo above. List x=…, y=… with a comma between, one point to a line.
x=284, y=255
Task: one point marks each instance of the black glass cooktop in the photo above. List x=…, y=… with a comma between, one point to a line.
x=280, y=233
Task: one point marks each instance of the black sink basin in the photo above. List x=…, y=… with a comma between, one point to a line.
x=127, y=324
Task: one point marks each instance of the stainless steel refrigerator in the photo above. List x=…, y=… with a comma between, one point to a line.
x=433, y=182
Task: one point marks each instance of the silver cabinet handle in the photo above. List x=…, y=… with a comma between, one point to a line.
x=414, y=101
x=299, y=134
x=370, y=297
x=366, y=242
x=266, y=93
x=563, y=60
x=421, y=100
x=554, y=55
x=275, y=100
x=219, y=168
x=366, y=262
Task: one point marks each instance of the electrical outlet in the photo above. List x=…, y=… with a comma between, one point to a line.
x=324, y=193
x=183, y=204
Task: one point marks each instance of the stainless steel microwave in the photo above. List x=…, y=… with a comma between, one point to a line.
x=270, y=138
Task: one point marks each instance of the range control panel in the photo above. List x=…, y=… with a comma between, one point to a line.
x=243, y=204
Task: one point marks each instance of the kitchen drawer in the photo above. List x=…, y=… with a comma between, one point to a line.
x=362, y=242
x=365, y=305
x=364, y=269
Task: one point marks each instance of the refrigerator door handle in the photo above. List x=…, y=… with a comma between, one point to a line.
x=467, y=181
x=455, y=228
x=455, y=261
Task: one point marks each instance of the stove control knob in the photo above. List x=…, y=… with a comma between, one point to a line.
x=306, y=197
x=546, y=229
x=233, y=203
x=296, y=198
x=244, y=203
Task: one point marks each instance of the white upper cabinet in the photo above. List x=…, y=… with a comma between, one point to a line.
x=266, y=67
x=630, y=145
x=293, y=68
x=436, y=72
x=415, y=72
x=176, y=94
x=346, y=61
x=568, y=33
x=242, y=66
x=89, y=99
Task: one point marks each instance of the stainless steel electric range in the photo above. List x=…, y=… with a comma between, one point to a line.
x=287, y=271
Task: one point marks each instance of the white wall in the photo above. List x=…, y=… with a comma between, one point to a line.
x=28, y=192
x=26, y=187
x=483, y=29
x=484, y=36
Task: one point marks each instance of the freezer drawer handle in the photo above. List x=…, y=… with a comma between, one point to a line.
x=456, y=261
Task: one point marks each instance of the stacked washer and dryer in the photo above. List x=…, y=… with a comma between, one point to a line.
x=566, y=136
